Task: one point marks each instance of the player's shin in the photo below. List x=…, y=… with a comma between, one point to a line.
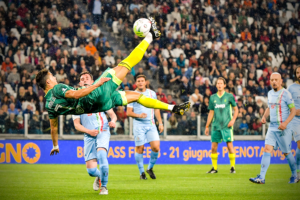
x=292, y=163
x=137, y=54
x=94, y=172
x=153, y=159
x=154, y=103
x=139, y=161
x=104, y=168
x=232, y=159
x=214, y=160
x=265, y=163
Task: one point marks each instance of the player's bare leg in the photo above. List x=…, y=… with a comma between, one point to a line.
x=214, y=158
x=231, y=155
x=155, y=146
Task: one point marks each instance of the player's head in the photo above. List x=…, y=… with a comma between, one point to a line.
x=85, y=78
x=141, y=82
x=297, y=74
x=221, y=84
x=276, y=81
x=45, y=79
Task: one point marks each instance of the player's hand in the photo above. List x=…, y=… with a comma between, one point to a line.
x=102, y=81
x=263, y=120
x=282, y=126
x=54, y=152
x=161, y=128
x=298, y=112
x=112, y=124
x=206, y=131
x=231, y=123
x=93, y=132
x=143, y=115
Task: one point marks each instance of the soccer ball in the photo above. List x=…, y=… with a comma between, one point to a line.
x=141, y=27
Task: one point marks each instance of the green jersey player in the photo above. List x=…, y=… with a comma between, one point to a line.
x=62, y=99
x=220, y=106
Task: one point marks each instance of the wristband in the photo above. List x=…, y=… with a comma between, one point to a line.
x=206, y=126
x=55, y=147
x=161, y=124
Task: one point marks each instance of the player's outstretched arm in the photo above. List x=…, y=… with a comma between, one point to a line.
x=81, y=128
x=130, y=113
x=158, y=117
x=113, y=118
x=209, y=119
x=292, y=114
x=77, y=94
x=54, y=135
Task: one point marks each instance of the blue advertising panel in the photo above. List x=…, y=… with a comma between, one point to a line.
x=122, y=152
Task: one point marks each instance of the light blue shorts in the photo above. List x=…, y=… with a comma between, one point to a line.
x=91, y=144
x=144, y=133
x=296, y=131
x=281, y=139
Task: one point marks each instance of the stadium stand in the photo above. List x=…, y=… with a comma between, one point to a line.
x=242, y=41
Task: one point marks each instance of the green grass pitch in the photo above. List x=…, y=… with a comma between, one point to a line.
x=55, y=182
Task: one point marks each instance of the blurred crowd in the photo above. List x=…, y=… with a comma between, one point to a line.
x=242, y=41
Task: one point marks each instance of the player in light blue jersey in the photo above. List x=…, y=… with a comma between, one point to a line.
x=95, y=127
x=281, y=109
x=294, y=89
x=144, y=128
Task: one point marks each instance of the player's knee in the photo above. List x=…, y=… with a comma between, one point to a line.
x=92, y=171
x=286, y=154
x=155, y=148
x=139, y=149
x=268, y=150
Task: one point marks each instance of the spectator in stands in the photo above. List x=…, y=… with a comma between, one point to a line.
x=5, y=100
x=262, y=89
x=17, y=103
x=10, y=124
x=19, y=58
x=3, y=37
x=61, y=76
x=30, y=95
x=244, y=127
x=109, y=59
x=7, y=65
x=185, y=89
x=3, y=116
x=181, y=61
x=34, y=125
x=95, y=8
x=172, y=125
x=13, y=78
x=12, y=109
x=126, y=83
x=90, y=47
x=246, y=35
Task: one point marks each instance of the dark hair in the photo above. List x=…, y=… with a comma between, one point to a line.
x=86, y=72
x=141, y=76
x=223, y=79
x=42, y=77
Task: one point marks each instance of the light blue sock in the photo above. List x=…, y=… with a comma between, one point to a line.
x=94, y=172
x=292, y=163
x=139, y=161
x=153, y=159
x=265, y=163
x=104, y=169
x=298, y=159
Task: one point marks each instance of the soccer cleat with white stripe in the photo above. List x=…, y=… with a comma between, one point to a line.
x=97, y=184
x=232, y=170
x=294, y=179
x=212, y=171
x=103, y=191
x=257, y=180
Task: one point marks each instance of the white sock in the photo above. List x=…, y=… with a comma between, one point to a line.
x=170, y=107
x=149, y=38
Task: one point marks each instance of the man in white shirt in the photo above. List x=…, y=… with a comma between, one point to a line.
x=109, y=58
x=177, y=51
x=19, y=58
